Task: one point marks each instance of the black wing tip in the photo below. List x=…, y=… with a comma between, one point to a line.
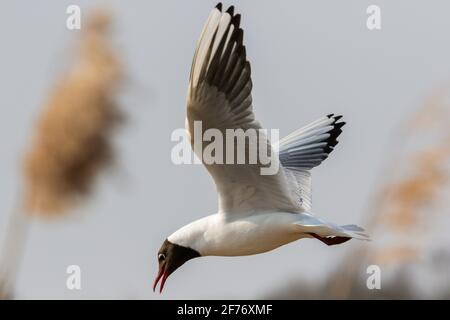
x=328, y=149
x=335, y=117
x=334, y=133
x=333, y=143
x=248, y=65
x=230, y=10
x=236, y=20
x=243, y=51
x=219, y=6
x=339, y=125
x=239, y=36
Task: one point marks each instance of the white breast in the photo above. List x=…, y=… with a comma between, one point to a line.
x=226, y=235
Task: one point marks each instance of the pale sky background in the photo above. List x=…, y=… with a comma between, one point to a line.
x=309, y=58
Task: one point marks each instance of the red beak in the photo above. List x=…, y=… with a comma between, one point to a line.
x=161, y=274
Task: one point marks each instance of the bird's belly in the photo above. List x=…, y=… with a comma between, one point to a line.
x=253, y=235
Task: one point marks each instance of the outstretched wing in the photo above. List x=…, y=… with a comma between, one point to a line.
x=305, y=149
x=219, y=96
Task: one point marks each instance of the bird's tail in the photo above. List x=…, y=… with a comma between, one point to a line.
x=314, y=226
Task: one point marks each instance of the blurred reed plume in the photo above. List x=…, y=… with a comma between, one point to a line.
x=72, y=142
x=72, y=139
x=401, y=214
x=406, y=198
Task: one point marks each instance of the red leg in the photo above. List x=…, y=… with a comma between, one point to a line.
x=331, y=241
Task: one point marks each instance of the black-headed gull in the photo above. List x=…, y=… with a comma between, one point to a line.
x=257, y=213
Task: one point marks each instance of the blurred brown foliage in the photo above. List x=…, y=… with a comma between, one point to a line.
x=418, y=190
x=72, y=141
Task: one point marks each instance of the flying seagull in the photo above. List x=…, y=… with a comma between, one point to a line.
x=257, y=213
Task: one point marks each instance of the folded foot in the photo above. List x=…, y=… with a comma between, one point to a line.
x=330, y=241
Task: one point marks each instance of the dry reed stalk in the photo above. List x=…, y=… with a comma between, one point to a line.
x=72, y=141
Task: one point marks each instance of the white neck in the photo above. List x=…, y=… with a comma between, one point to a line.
x=192, y=235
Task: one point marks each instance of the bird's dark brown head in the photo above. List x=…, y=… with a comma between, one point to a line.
x=170, y=257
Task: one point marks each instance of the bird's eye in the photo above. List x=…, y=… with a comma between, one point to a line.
x=161, y=257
